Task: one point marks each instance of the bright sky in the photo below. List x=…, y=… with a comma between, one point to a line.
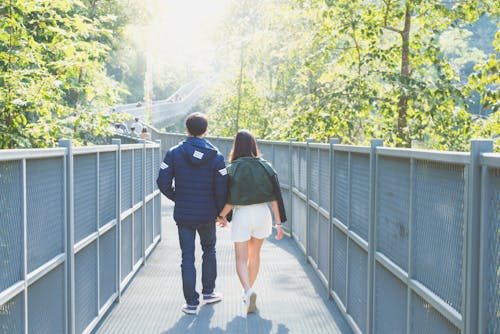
x=181, y=31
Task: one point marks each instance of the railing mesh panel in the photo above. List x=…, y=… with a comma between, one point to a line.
x=138, y=176
x=493, y=252
x=302, y=185
x=126, y=247
x=85, y=185
x=138, y=238
x=266, y=151
x=157, y=218
x=149, y=223
x=324, y=236
x=46, y=303
x=107, y=265
x=107, y=187
x=324, y=179
x=299, y=219
x=390, y=302
x=85, y=286
x=156, y=166
x=341, y=197
x=426, y=319
x=313, y=241
x=11, y=220
x=281, y=164
x=45, y=204
x=295, y=167
x=438, y=229
x=12, y=315
x=393, y=198
x=149, y=170
x=314, y=176
x=360, y=192
x=339, y=267
x=358, y=276
x=126, y=180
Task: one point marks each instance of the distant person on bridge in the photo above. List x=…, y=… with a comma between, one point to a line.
x=252, y=184
x=137, y=125
x=145, y=134
x=199, y=193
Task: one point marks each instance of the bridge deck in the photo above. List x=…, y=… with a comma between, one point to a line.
x=291, y=298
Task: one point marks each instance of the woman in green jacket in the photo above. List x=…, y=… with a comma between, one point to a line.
x=252, y=184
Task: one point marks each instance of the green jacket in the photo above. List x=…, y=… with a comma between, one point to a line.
x=249, y=182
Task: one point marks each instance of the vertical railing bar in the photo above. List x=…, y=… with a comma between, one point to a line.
x=25, y=244
x=290, y=175
x=132, y=215
x=160, y=157
x=65, y=233
x=118, y=210
x=483, y=255
x=308, y=196
x=318, y=216
x=410, y=245
x=333, y=141
x=348, y=223
x=98, y=223
x=371, y=233
x=144, y=179
x=473, y=234
x=70, y=236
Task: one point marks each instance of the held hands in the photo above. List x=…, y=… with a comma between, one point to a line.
x=221, y=221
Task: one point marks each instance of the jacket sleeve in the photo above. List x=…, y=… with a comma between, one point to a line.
x=220, y=183
x=166, y=176
x=279, y=197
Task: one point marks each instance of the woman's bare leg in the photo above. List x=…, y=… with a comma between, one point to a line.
x=241, y=253
x=254, y=246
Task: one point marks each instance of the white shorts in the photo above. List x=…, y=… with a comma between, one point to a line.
x=251, y=221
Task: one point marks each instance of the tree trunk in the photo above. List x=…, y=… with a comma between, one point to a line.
x=403, y=131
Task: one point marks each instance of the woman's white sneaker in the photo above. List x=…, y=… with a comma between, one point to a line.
x=251, y=301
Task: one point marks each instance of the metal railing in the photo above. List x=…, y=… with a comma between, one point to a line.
x=76, y=223
x=405, y=241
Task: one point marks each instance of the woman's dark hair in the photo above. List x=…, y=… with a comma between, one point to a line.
x=196, y=124
x=244, y=145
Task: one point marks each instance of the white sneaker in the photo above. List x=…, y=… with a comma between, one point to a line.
x=250, y=301
x=214, y=297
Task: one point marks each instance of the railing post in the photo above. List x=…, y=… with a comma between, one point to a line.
x=372, y=211
x=160, y=157
x=333, y=141
x=473, y=233
x=70, y=239
x=308, y=191
x=290, y=178
x=144, y=246
x=118, y=202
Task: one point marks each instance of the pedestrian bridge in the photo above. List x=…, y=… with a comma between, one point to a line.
x=383, y=240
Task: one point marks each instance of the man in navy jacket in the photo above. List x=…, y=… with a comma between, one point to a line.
x=194, y=176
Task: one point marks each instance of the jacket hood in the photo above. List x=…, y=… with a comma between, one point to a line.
x=197, y=151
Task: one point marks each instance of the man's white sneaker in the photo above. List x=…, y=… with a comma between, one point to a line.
x=214, y=297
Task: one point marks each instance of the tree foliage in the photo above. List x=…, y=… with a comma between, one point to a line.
x=356, y=69
x=53, y=82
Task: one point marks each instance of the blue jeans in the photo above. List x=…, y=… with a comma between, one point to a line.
x=187, y=235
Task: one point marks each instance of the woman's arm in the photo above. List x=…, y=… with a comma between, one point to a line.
x=276, y=213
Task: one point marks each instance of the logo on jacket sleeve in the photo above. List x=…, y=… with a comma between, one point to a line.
x=163, y=165
x=223, y=171
x=198, y=154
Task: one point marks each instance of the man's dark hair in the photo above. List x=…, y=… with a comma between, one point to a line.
x=196, y=124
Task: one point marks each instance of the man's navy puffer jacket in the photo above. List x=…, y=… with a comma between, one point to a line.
x=199, y=176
